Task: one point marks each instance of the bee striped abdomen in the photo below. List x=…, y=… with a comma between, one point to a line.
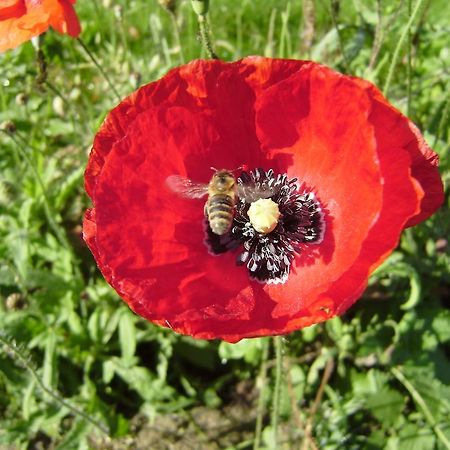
x=220, y=211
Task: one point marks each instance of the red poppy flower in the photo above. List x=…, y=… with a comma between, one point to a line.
x=344, y=173
x=21, y=20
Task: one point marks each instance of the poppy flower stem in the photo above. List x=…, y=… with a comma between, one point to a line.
x=409, y=64
x=328, y=371
x=204, y=36
x=41, y=60
x=201, y=8
x=262, y=393
x=99, y=67
x=42, y=68
x=334, y=18
x=400, y=44
x=278, y=344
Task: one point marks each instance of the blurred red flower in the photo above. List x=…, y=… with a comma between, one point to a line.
x=348, y=171
x=21, y=20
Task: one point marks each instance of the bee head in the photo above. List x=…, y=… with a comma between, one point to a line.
x=223, y=180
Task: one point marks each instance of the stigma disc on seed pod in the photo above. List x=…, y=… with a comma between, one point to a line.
x=264, y=215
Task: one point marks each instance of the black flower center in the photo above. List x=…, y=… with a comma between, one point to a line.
x=269, y=256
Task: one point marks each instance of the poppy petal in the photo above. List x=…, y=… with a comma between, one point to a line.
x=65, y=20
x=21, y=20
x=157, y=255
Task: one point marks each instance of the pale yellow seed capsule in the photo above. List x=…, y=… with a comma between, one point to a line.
x=264, y=215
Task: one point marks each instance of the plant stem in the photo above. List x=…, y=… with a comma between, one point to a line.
x=400, y=44
x=100, y=69
x=334, y=19
x=308, y=27
x=57, y=92
x=262, y=391
x=328, y=371
x=378, y=38
x=422, y=404
x=278, y=344
x=177, y=34
x=25, y=362
x=443, y=121
x=204, y=36
x=409, y=65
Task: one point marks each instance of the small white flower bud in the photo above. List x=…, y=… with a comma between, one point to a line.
x=264, y=215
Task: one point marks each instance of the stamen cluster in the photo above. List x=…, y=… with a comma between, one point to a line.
x=269, y=256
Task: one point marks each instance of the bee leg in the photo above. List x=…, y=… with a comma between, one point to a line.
x=206, y=210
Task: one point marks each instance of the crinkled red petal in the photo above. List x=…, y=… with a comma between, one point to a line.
x=293, y=116
x=328, y=143
x=151, y=241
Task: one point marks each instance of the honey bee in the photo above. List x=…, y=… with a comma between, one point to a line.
x=223, y=192
x=222, y=197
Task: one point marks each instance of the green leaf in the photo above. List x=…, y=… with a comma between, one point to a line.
x=69, y=186
x=49, y=367
x=435, y=394
x=441, y=325
x=386, y=406
x=109, y=369
x=27, y=400
x=58, y=127
x=7, y=276
x=75, y=437
x=127, y=335
x=248, y=349
x=364, y=384
x=122, y=427
x=211, y=398
x=109, y=323
x=413, y=437
x=93, y=325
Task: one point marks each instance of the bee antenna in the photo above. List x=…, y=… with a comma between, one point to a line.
x=214, y=169
x=242, y=168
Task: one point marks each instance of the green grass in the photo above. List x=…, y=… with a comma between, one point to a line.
x=74, y=360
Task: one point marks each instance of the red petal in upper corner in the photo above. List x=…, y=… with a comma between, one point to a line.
x=22, y=20
x=19, y=26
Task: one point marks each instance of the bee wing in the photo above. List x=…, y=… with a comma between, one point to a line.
x=185, y=187
x=250, y=193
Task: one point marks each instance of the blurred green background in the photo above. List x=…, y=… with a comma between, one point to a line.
x=78, y=370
